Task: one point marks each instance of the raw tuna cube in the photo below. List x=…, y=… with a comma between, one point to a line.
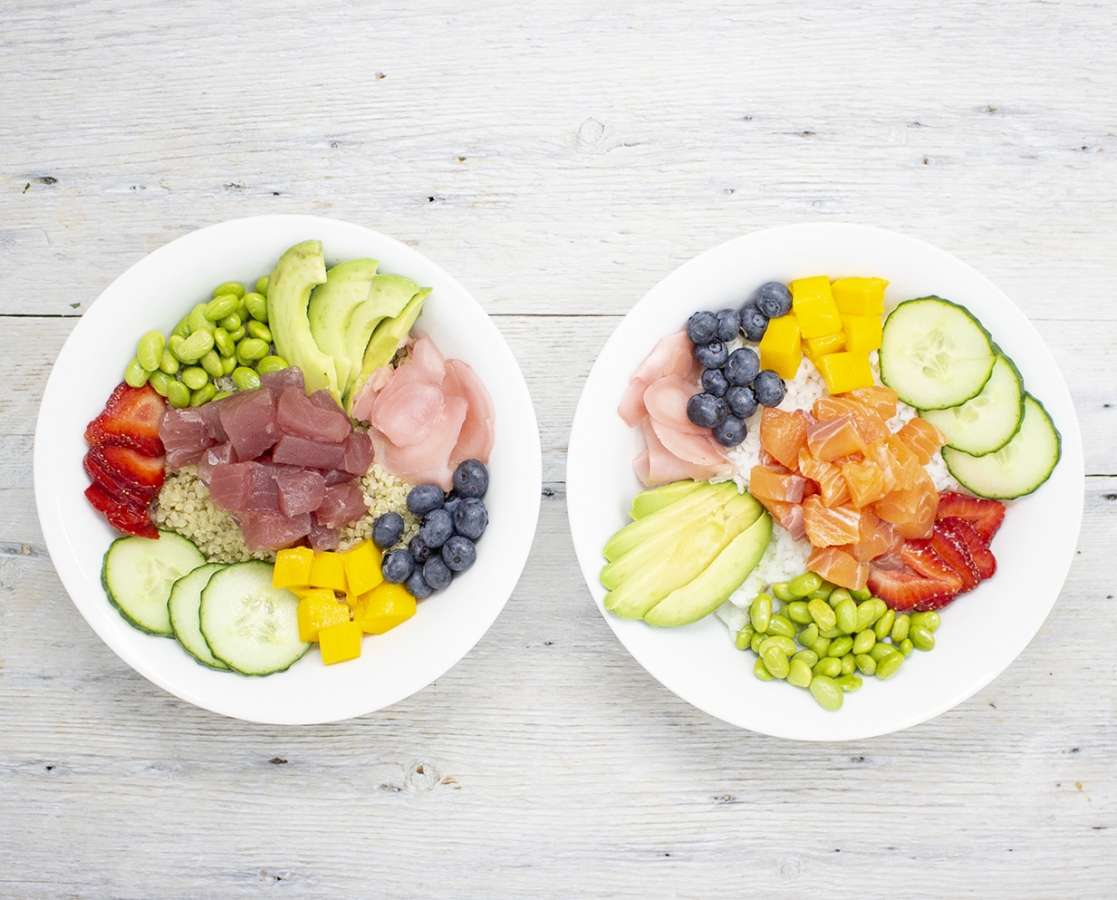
x=249, y=419
x=221, y=453
x=187, y=433
x=358, y=454
x=297, y=451
x=244, y=486
x=278, y=382
x=271, y=530
x=322, y=538
x=342, y=504
x=299, y=415
x=300, y=491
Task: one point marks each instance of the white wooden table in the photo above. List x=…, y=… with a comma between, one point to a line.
x=558, y=158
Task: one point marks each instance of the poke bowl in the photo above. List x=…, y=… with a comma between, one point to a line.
x=443, y=327
x=705, y=635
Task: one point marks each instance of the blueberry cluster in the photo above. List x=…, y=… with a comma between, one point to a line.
x=449, y=527
x=733, y=384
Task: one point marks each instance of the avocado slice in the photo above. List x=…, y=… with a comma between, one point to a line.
x=388, y=296
x=658, y=497
x=299, y=269
x=635, y=533
x=331, y=304
x=722, y=577
x=385, y=340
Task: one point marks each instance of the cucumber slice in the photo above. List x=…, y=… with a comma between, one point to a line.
x=186, y=597
x=138, y=574
x=988, y=421
x=248, y=624
x=1019, y=467
x=934, y=354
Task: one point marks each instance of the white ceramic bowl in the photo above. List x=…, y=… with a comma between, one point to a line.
x=156, y=293
x=1034, y=547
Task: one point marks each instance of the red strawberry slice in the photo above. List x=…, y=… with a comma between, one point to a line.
x=125, y=474
x=953, y=550
x=985, y=516
x=131, y=418
x=906, y=591
x=129, y=517
x=980, y=554
x=921, y=558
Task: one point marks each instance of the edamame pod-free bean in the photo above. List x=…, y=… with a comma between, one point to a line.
x=167, y=362
x=900, y=628
x=262, y=285
x=257, y=307
x=228, y=364
x=194, y=347
x=799, y=673
x=203, y=395
x=229, y=287
x=802, y=585
x=850, y=682
x=868, y=611
x=884, y=625
x=221, y=395
x=178, y=394
x=242, y=311
x=221, y=306
x=866, y=665
x=786, y=645
x=864, y=640
x=827, y=692
x=225, y=345
x=849, y=663
x=271, y=364
x=211, y=362
x=828, y=666
x=921, y=638
x=808, y=636
x=889, y=666
x=744, y=637
x=823, y=593
x=780, y=625
x=797, y=612
x=198, y=321
x=807, y=656
x=861, y=594
x=840, y=646
x=258, y=330
x=231, y=322
x=194, y=377
x=161, y=381
x=182, y=329
x=929, y=620
x=846, y=614
x=760, y=612
x=837, y=596
x=135, y=374
x=251, y=349
x=761, y=671
x=830, y=632
x=150, y=350
x=245, y=379
x=782, y=592
x=821, y=646
x=775, y=661
x=906, y=647
x=758, y=638
x=236, y=333
x=822, y=614
x=881, y=650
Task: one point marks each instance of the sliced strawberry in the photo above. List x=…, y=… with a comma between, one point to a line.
x=124, y=473
x=984, y=515
x=980, y=554
x=952, y=548
x=131, y=418
x=906, y=591
x=921, y=558
x=130, y=518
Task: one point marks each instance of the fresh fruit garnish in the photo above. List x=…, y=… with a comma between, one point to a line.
x=985, y=516
x=131, y=517
x=950, y=546
x=907, y=591
x=921, y=558
x=980, y=554
x=131, y=418
x=123, y=473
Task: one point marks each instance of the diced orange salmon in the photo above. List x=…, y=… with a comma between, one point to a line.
x=830, y=407
x=834, y=439
x=865, y=481
x=880, y=399
x=906, y=465
x=769, y=483
x=838, y=567
x=812, y=468
x=832, y=486
x=893, y=474
x=828, y=526
x=877, y=538
x=911, y=509
x=922, y=437
x=783, y=435
x=787, y=515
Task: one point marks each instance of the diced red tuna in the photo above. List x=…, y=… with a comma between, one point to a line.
x=297, y=451
x=358, y=454
x=187, y=433
x=337, y=476
x=248, y=417
x=342, y=504
x=244, y=486
x=278, y=382
x=306, y=417
x=322, y=538
x=266, y=529
x=299, y=491
x=221, y=453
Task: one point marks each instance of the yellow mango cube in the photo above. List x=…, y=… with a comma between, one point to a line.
x=328, y=571
x=845, y=371
x=859, y=296
x=862, y=333
x=362, y=567
x=781, y=348
x=292, y=567
x=814, y=307
x=383, y=608
x=319, y=609
x=340, y=642
x=828, y=343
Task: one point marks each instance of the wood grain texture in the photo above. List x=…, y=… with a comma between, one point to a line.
x=558, y=159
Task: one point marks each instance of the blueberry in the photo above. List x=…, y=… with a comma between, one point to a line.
x=702, y=327
x=471, y=479
x=730, y=432
x=471, y=518
x=397, y=566
x=773, y=299
x=729, y=323
x=419, y=550
x=459, y=553
x=742, y=366
x=712, y=355
x=741, y=401
x=417, y=586
x=452, y=503
x=436, y=573
x=387, y=530
x=713, y=382
x=423, y=498
x=706, y=410
x=753, y=322
x=769, y=388
x=435, y=528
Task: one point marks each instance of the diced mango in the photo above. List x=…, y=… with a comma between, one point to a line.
x=859, y=296
x=845, y=371
x=781, y=348
x=362, y=567
x=383, y=608
x=814, y=307
x=328, y=571
x=828, y=343
x=340, y=642
x=319, y=609
x=292, y=567
x=862, y=333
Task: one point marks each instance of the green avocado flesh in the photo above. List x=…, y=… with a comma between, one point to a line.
x=649, y=501
x=332, y=305
x=387, y=298
x=386, y=339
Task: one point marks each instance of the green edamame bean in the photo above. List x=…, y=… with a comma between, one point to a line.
x=780, y=625
x=861, y=594
x=225, y=345
x=150, y=350
x=161, y=381
x=245, y=379
x=849, y=663
x=808, y=635
x=883, y=626
x=194, y=347
x=178, y=394
x=864, y=640
x=228, y=364
x=758, y=638
x=203, y=395
x=881, y=650
x=826, y=692
x=258, y=330
x=797, y=612
x=921, y=638
x=744, y=637
x=837, y=596
x=174, y=342
x=900, y=628
x=221, y=395
x=760, y=612
x=182, y=329
x=846, y=614
x=889, y=666
x=828, y=666
x=211, y=362
x=231, y=322
x=775, y=661
x=821, y=646
x=802, y=585
x=822, y=593
x=229, y=287
x=198, y=321
x=257, y=306
x=799, y=673
x=866, y=665
x=271, y=364
x=850, y=682
x=929, y=620
x=251, y=349
x=221, y=306
x=830, y=632
x=135, y=374
x=194, y=377
x=782, y=592
x=167, y=362
x=242, y=310
x=868, y=612
x=840, y=646
x=761, y=671
x=236, y=333
x=807, y=656
x=786, y=645
x=822, y=614
x=906, y=647
x=262, y=285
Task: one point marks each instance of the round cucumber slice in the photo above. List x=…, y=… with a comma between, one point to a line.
x=1019, y=467
x=138, y=574
x=934, y=354
x=186, y=597
x=988, y=421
